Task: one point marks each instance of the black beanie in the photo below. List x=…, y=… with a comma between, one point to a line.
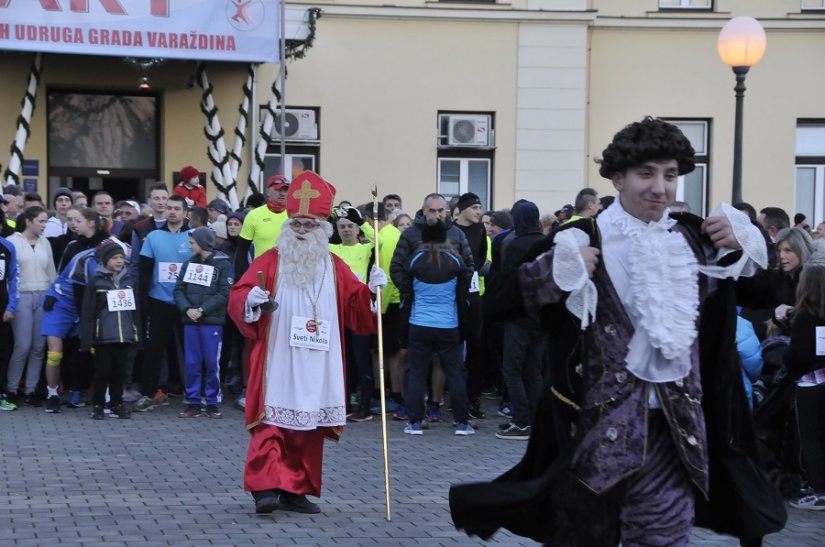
x=107, y=249
x=62, y=192
x=468, y=200
x=502, y=219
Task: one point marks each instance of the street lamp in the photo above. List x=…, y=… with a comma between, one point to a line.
x=741, y=45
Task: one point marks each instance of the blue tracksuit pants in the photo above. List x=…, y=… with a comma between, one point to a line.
x=203, y=352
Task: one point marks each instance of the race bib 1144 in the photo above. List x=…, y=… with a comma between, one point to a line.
x=199, y=274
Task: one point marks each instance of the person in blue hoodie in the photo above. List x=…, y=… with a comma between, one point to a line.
x=750, y=354
x=434, y=296
x=9, y=277
x=201, y=295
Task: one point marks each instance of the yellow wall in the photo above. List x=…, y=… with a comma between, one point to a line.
x=380, y=95
x=673, y=73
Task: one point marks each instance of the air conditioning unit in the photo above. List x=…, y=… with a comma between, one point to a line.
x=468, y=130
x=299, y=125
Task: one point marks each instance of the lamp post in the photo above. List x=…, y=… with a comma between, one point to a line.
x=741, y=44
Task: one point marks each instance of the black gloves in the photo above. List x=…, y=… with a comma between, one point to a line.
x=354, y=216
x=48, y=303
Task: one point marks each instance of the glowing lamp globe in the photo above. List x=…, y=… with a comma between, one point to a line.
x=742, y=42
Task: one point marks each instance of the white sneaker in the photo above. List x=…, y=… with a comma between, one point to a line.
x=813, y=502
x=130, y=395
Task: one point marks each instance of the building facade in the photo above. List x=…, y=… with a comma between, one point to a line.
x=506, y=99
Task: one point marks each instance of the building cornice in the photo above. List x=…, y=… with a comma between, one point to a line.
x=442, y=12
x=711, y=21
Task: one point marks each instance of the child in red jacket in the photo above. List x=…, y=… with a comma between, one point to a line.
x=190, y=187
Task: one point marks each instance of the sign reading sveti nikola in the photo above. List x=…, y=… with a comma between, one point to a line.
x=221, y=30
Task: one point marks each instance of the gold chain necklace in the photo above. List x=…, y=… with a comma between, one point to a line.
x=314, y=305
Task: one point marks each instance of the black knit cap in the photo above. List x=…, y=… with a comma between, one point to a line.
x=62, y=191
x=468, y=200
x=107, y=249
x=502, y=219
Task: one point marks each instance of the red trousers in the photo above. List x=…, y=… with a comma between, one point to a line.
x=284, y=459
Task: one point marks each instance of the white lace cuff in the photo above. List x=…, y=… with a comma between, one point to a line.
x=570, y=274
x=250, y=314
x=754, y=250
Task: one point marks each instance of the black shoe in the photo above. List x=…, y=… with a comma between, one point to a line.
x=32, y=399
x=266, y=501
x=119, y=411
x=97, y=412
x=53, y=404
x=475, y=411
x=297, y=503
x=362, y=414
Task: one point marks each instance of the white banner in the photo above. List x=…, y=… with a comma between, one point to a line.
x=207, y=30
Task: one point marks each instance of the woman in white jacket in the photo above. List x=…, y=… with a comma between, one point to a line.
x=37, y=271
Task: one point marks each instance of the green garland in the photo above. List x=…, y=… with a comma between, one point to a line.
x=297, y=49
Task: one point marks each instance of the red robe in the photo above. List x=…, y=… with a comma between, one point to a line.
x=281, y=458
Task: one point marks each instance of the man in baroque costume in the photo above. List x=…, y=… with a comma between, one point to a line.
x=643, y=428
x=296, y=392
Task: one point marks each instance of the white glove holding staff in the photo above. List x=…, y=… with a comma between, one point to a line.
x=378, y=279
x=257, y=296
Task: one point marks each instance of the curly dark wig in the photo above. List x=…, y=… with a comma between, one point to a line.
x=649, y=139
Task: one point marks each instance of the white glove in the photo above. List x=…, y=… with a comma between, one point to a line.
x=256, y=297
x=378, y=279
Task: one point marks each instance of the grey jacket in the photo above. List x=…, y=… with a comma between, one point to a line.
x=98, y=325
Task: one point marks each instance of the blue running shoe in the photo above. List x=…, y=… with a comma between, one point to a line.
x=76, y=400
x=434, y=413
x=400, y=413
x=464, y=429
x=413, y=428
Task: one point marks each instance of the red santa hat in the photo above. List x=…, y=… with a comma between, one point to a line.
x=310, y=196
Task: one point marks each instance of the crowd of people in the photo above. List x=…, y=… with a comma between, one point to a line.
x=121, y=306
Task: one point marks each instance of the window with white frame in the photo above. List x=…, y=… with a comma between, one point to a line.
x=809, y=187
x=813, y=5
x=466, y=146
x=458, y=176
x=693, y=187
x=686, y=4
x=295, y=163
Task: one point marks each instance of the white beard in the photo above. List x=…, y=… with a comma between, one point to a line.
x=299, y=258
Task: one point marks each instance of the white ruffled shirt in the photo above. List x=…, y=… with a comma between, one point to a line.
x=655, y=274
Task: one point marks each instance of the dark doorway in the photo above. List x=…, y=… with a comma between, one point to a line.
x=119, y=187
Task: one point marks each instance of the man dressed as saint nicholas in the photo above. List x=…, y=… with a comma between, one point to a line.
x=296, y=394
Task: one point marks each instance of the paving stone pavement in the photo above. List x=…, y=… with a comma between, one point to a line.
x=159, y=480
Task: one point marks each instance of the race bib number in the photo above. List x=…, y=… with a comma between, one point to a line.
x=474, y=283
x=121, y=300
x=168, y=271
x=308, y=333
x=2, y=270
x=199, y=274
x=820, y=341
